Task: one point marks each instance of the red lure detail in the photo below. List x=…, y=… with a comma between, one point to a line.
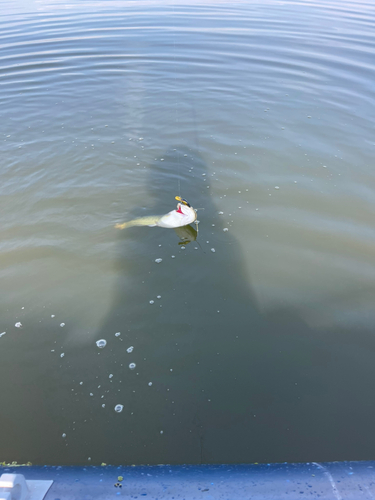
x=179, y=211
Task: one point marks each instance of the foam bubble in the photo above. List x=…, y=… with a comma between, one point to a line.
x=119, y=408
x=130, y=349
x=158, y=261
x=132, y=366
x=18, y=324
x=101, y=343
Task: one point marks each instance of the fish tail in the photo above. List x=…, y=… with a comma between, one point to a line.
x=122, y=226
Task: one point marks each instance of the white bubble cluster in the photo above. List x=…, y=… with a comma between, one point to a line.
x=158, y=261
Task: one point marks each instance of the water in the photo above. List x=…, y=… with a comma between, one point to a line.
x=253, y=341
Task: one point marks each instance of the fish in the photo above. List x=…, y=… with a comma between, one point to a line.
x=182, y=216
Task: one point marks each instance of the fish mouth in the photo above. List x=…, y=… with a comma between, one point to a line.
x=182, y=200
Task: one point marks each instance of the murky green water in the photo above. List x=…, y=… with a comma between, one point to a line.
x=260, y=114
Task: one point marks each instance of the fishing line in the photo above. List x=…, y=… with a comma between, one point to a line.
x=175, y=81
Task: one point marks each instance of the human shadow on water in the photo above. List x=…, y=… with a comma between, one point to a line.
x=215, y=380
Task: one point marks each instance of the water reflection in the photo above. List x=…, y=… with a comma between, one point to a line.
x=187, y=234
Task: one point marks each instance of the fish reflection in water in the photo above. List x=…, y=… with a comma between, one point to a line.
x=187, y=234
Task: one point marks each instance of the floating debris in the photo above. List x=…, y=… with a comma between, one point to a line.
x=62, y=325
x=158, y=261
x=130, y=349
x=63, y=435
x=225, y=229
x=150, y=384
x=1, y=334
x=117, y=334
x=52, y=315
x=119, y=408
x=62, y=355
x=152, y=301
x=18, y=324
x=158, y=296
x=277, y=187
x=101, y=343
x=213, y=250
x=132, y=366
x=110, y=375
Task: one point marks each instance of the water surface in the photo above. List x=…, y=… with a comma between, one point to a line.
x=261, y=115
